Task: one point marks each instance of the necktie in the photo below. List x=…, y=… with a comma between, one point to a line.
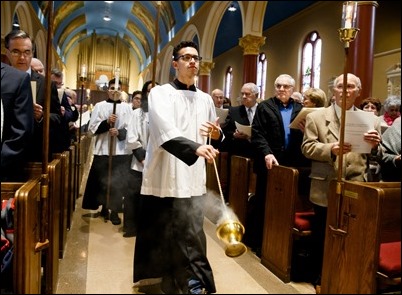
x=250, y=115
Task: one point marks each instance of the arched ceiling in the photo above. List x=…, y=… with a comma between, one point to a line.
x=135, y=22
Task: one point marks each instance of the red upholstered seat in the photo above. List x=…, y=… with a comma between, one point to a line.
x=390, y=259
x=303, y=220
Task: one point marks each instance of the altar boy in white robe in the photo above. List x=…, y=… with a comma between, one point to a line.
x=108, y=177
x=171, y=243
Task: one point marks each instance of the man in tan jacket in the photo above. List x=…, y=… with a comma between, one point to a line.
x=321, y=145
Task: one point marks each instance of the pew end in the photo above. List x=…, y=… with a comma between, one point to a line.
x=369, y=215
x=26, y=274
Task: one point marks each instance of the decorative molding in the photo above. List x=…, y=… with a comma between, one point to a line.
x=251, y=44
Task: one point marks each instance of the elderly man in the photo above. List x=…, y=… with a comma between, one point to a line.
x=218, y=97
x=37, y=66
x=321, y=145
x=274, y=143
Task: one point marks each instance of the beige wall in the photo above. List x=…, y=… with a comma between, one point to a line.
x=283, y=43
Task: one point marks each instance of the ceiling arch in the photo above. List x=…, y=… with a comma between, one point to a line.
x=134, y=23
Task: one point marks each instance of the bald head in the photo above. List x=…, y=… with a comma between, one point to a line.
x=217, y=96
x=37, y=66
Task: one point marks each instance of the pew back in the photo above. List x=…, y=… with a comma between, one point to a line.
x=26, y=260
x=358, y=221
x=282, y=189
x=51, y=261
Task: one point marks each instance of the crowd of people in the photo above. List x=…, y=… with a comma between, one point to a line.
x=150, y=154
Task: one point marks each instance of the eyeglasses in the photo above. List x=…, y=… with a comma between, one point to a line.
x=17, y=53
x=114, y=88
x=279, y=86
x=245, y=94
x=189, y=57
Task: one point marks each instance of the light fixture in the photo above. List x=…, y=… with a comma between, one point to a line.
x=232, y=8
x=107, y=17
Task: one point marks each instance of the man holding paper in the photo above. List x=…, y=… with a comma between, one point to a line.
x=20, y=52
x=321, y=145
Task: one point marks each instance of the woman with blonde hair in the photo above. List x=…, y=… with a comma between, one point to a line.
x=314, y=98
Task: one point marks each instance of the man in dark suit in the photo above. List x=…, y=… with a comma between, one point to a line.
x=237, y=142
x=16, y=121
x=68, y=111
x=20, y=51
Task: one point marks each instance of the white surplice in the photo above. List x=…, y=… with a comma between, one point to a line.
x=175, y=113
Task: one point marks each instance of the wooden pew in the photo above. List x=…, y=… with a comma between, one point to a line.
x=72, y=189
x=285, y=198
x=242, y=185
x=51, y=261
x=26, y=260
x=64, y=198
x=370, y=214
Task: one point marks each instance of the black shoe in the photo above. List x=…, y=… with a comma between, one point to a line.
x=104, y=214
x=114, y=218
x=169, y=286
x=130, y=233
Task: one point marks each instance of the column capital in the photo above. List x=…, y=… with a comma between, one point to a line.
x=206, y=67
x=251, y=44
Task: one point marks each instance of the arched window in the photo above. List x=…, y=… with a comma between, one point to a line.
x=311, y=62
x=261, y=74
x=228, y=82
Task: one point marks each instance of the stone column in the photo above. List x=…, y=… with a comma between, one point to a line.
x=204, y=75
x=251, y=48
x=361, y=51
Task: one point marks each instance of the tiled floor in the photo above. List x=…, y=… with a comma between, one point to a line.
x=99, y=260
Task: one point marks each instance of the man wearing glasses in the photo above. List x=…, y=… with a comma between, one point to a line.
x=275, y=144
x=20, y=51
x=171, y=246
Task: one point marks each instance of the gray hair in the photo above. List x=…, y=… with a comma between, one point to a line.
x=253, y=88
x=392, y=100
x=340, y=79
x=288, y=77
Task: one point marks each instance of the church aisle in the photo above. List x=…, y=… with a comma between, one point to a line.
x=98, y=260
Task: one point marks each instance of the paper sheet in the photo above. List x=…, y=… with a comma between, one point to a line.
x=222, y=114
x=246, y=129
x=356, y=124
x=85, y=119
x=301, y=116
x=33, y=89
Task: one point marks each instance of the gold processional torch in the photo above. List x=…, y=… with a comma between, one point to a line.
x=347, y=34
x=229, y=230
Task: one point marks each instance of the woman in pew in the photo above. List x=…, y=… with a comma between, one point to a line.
x=391, y=144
